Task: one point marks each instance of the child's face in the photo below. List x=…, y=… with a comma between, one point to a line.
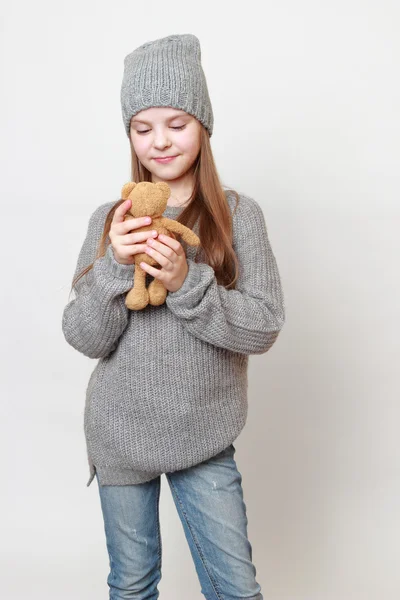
x=164, y=131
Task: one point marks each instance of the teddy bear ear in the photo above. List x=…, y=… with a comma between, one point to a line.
x=164, y=187
x=126, y=189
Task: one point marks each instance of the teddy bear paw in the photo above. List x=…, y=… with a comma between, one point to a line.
x=157, y=293
x=137, y=299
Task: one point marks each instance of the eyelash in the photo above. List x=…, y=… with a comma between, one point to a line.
x=146, y=130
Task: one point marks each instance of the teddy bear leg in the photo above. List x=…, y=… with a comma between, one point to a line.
x=157, y=292
x=138, y=297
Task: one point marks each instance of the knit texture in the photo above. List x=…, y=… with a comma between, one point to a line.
x=166, y=72
x=170, y=388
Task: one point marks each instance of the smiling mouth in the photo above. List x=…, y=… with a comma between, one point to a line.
x=164, y=158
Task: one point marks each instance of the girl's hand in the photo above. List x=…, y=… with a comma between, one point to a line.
x=125, y=245
x=169, y=253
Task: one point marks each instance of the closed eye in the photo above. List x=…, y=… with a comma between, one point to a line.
x=176, y=128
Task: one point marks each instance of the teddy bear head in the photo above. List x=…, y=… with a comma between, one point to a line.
x=147, y=198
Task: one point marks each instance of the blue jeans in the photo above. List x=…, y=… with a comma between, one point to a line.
x=209, y=500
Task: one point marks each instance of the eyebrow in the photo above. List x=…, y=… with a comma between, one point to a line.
x=182, y=114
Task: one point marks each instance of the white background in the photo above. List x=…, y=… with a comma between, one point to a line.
x=306, y=105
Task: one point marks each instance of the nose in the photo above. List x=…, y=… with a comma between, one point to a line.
x=161, y=139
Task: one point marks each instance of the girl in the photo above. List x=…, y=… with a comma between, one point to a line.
x=169, y=393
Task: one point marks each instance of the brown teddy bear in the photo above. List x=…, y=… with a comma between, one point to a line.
x=150, y=199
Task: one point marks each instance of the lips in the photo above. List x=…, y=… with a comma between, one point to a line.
x=164, y=159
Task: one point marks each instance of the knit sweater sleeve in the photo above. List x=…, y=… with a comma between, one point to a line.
x=93, y=321
x=249, y=318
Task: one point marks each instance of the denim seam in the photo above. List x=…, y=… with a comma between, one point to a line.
x=196, y=543
x=158, y=528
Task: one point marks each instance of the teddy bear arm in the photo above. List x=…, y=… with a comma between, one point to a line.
x=187, y=234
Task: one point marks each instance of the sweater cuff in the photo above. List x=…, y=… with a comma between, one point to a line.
x=192, y=279
x=117, y=269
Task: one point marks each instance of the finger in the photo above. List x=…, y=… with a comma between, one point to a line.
x=135, y=248
x=134, y=223
x=120, y=212
x=139, y=236
x=157, y=273
x=128, y=251
x=171, y=242
x=131, y=224
x=162, y=248
x=160, y=258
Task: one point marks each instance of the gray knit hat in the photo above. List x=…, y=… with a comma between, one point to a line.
x=166, y=72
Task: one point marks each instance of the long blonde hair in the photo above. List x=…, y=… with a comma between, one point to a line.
x=208, y=203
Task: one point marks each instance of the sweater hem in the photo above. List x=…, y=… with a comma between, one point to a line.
x=114, y=475
x=121, y=476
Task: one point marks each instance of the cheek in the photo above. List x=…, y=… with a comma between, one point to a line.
x=140, y=145
x=190, y=146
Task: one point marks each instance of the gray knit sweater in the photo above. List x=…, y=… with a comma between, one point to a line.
x=170, y=388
